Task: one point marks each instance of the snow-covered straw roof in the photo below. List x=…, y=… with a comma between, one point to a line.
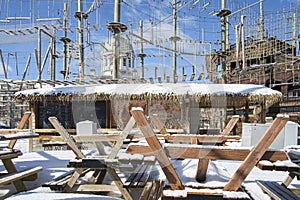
x=235, y=95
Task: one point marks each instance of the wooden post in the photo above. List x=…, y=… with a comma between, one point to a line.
x=158, y=124
x=202, y=170
x=202, y=166
x=157, y=149
x=230, y=125
x=256, y=153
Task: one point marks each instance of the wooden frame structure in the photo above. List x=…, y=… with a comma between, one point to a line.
x=250, y=157
x=70, y=183
x=7, y=154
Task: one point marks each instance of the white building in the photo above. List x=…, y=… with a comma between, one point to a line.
x=125, y=54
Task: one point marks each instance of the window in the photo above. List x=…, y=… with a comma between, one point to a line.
x=124, y=62
x=129, y=62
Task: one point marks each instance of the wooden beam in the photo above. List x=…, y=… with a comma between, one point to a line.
x=230, y=125
x=256, y=153
x=94, y=188
x=12, y=131
x=186, y=139
x=65, y=135
x=154, y=118
x=121, y=138
x=202, y=170
x=21, y=125
x=10, y=168
x=157, y=149
x=119, y=184
x=15, y=176
x=182, y=151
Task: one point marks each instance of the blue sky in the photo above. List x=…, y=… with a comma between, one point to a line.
x=197, y=25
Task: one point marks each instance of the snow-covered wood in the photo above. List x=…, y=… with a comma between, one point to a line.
x=184, y=151
x=256, y=154
x=156, y=147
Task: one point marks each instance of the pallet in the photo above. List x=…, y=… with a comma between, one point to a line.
x=277, y=191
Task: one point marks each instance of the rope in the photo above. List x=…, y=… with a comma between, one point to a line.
x=95, y=5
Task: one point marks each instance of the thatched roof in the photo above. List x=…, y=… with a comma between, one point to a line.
x=207, y=95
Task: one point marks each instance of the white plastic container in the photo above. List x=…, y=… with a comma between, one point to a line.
x=86, y=128
x=251, y=133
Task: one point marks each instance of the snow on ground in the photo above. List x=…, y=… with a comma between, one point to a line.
x=54, y=164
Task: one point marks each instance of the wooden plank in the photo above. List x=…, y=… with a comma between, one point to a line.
x=21, y=125
x=154, y=118
x=119, y=184
x=265, y=165
x=139, y=177
x=60, y=182
x=71, y=182
x=9, y=154
x=111, y=137
x=201, y=139
x=63, y=176
x=288, y=179
x=156, y=148
x=10, y=168
x=94, y=188
x=101, y=176
x=12, y=131
x=277, y=191
x=256, y=154
x=230, y=125
x=121, y=138
x=93, y=163
x=146, y=192
x=11, y=177
x=155, y=188
x=182, y=151
x=19, y=135
x=65, y=135
x=134, y=178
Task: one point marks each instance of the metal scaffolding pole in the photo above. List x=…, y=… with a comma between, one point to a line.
x=80, y=41
x=262, y=20
x=141, y=54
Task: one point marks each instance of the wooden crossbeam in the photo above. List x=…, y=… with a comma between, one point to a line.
x=21, y=125
x=196, y=139
x=121, y=138
x=256, y=153
x=230, y=125
x=157, y=149
x=67, y=138
x=183, y=151
x=12, y=131
x=154, y=118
